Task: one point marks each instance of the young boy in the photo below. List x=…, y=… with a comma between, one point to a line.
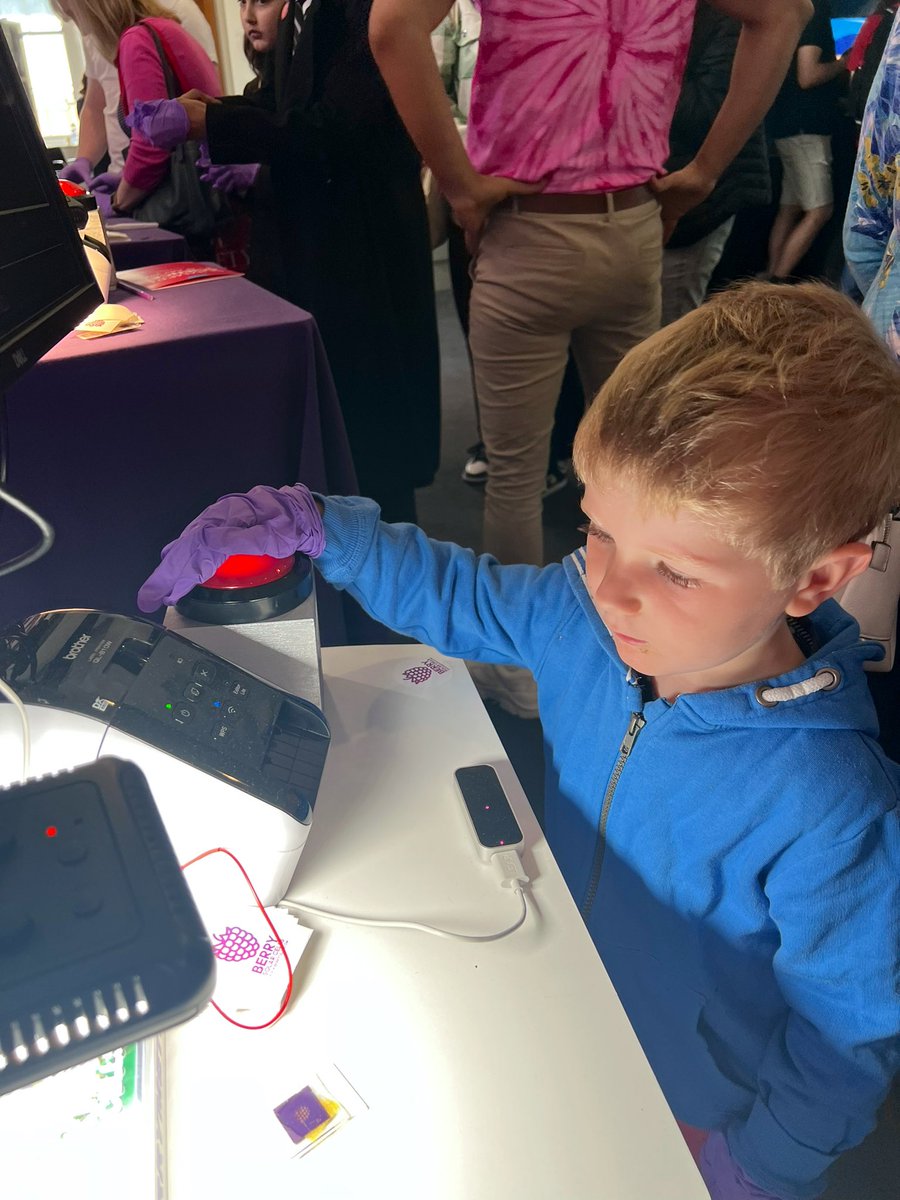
x=716, y=798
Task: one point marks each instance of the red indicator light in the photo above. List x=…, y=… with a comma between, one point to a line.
x=249, y=570
x=50, y=831
x=487, y=808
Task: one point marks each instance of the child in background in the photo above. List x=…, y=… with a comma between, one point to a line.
x=259, y=21
x=248, y=184
x=716, y=797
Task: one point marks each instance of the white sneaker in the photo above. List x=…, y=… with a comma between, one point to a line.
x=556, y=480
x=476, y=468
x=513, y=688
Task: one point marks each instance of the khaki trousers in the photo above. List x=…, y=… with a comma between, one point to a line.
x=541, y=282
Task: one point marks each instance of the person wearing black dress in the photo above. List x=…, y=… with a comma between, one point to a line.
x=343, y=233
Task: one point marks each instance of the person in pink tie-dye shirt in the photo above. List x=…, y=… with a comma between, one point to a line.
x=566, y=146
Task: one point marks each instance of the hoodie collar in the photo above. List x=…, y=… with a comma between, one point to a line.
x=828, y=690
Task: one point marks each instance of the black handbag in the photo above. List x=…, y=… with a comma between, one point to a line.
x=182, y=203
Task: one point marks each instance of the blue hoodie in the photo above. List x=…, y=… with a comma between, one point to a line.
x=736, y=854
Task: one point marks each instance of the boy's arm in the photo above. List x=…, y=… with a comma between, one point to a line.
x=828, y=1068
x=434, y=591
x=437, y=592
x=770, y=30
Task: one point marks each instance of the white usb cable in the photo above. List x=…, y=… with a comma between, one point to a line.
x=508, y=868
x=17, y=704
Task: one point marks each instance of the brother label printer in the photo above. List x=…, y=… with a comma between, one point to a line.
x=231, y=760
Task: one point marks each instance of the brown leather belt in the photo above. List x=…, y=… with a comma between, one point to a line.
x=579, y=202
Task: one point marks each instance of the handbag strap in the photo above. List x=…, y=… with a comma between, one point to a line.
x=168, y=73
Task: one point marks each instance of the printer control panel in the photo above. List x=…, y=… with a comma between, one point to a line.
x=160, y=687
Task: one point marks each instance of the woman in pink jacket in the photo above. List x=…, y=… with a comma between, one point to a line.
x=123, y=31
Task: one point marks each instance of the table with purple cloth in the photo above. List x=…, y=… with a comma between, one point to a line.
x=120, y=441
x=144, y=247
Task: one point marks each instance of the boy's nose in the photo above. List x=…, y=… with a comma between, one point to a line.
x=614, y=592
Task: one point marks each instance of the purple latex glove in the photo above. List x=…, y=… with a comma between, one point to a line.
x=162, y=123
x=265, y=520
x=104, y=204
x=231, y=177
x=722, y=1175
x=77, y=171
x=107, y=182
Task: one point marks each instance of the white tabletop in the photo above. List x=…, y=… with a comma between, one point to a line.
x=506, y=1069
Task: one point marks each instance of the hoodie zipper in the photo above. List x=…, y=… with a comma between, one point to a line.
x=635, y=725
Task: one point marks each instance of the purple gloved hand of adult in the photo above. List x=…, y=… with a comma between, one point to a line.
x=162, y=123
x=265, y=520
x=231, y=177
x=104, y=204
x=107, y=182
x=79, y=170
x=723, y=1176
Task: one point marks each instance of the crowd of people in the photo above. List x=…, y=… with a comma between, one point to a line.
x=716, y=795
x=324, y=205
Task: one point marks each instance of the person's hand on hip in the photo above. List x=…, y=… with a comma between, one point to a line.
x=472, y=205
x=678, y=193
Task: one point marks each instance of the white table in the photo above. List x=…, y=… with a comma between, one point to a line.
x=499, y=1070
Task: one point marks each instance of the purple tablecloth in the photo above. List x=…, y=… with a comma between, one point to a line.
x=121, y=441
x=144, y=247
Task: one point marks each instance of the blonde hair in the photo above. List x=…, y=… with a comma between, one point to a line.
x=772, y=412
x=107, y=20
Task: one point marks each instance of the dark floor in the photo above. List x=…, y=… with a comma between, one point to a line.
x=451, y=509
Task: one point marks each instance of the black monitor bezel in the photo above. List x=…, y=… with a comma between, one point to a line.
x=33, y=338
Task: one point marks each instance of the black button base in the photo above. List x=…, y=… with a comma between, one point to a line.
x=239, y=606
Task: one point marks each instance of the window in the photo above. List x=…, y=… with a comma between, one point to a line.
x=48, y=53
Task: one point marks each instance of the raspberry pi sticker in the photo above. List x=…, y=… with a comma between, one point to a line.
x=305, y=1115
x=312, y=1114
x=234, y=945
x=424, y=673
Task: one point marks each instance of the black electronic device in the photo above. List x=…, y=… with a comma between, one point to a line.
x=100, y=940
x=232, y=761
x=492, y=820
x=46, y=282
x=149, y=685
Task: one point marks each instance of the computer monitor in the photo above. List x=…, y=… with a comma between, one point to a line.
x=845, y=30
x=46, y=283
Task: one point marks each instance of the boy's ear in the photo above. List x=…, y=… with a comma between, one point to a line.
x=828, y=576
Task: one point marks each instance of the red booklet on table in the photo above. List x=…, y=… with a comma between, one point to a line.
x=165, y=275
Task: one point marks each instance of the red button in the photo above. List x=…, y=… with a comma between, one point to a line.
x=249, y=570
